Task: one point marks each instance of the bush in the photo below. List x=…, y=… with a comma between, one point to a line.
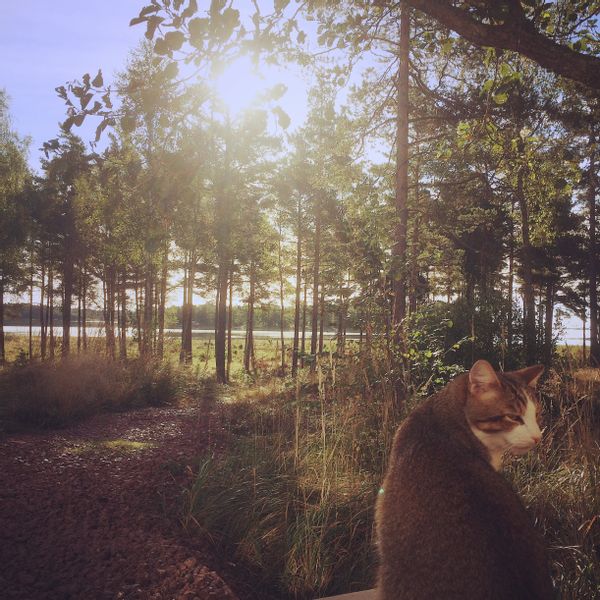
x=54, y=393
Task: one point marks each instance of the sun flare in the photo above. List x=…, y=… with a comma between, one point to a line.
x=240, y=85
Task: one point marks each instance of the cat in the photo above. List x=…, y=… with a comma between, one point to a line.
x=449, y=525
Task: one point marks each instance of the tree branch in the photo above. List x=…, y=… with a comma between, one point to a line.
x=516, y=33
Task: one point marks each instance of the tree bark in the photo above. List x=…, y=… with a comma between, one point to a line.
x=281, y=299
x=148, y=321
x=43, y=322
x=298, y=288
x=68, y=269
x=548, y=323
x=593, y=258
x=50, y=308
x=528, y=292
x=401, y=199
x=164, y=274
x=304, y=311
x=123, y=318
x=31, y=273
x=221, y=330
x=315, y=287
x=230, y=324
x=2, y=348
x=249, y=345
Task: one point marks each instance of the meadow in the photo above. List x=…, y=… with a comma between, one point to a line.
x=289, y=497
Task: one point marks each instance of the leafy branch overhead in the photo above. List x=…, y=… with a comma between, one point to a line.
x=206, y=41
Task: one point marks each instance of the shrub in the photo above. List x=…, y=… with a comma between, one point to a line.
x=54, y=393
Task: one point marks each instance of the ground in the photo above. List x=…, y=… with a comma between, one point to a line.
x=90, y=511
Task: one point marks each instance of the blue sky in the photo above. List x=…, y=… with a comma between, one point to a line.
x=44, y=44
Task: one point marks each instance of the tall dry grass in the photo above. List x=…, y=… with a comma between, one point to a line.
x=291, y=500
x=57, y=392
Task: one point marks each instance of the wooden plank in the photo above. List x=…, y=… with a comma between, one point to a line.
x=365, y=595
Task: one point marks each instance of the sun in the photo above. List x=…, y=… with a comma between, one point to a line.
x=240, y=85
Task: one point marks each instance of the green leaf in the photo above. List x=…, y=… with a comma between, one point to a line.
x=500, y=98
x=198, y=28
x=505, y=70
x=174, y=39
x=192, y=9
x=161, y=47
x=280, y=5
x=86, y=100
x=171, y=70
x=282, y=117
x=98, y=81
x=148, y=10
x=128, y=123
x=277, y=91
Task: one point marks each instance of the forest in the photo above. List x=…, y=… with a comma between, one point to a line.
x=438, y=205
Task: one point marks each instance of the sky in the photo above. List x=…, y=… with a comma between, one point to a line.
x=46, y=43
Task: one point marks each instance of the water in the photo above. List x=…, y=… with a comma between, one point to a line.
x=97, y=331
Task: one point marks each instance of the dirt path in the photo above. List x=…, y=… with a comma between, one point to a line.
x=89, y=512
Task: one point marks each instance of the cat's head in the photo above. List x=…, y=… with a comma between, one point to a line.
x=503, y=409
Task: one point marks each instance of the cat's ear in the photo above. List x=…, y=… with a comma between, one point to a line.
x=531, y=375
x=482, y=377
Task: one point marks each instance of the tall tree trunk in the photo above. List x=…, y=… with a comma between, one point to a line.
x=593, y=258
x=138, y=316
x=148, y=322
x=321, y=321
x=548, y=323
x=31, y=275
x=315, y=288
x=79, y=317
x=109, y=310
x=249, y=346
x=2, y=348
x=341, y=330
x=43, y=321
x=68, y=270
x=416, y=232
x=511, y=280
x=529, y=337
x=281, y=299
x=298, y=288
x=52, y=340
x=221, y=332
x=230, y=324
x=160, y=349
x=223, y=217
x=186, y=310
x=84, y=308
x=123, y=317
x=304, y=319
x=402, y=108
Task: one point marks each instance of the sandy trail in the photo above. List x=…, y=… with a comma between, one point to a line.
x=90, y=511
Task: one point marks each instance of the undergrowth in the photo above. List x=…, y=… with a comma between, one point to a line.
x=55, y=393
x=292, y=498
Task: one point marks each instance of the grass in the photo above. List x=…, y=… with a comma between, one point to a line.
x=55, y=393
x=292, y=499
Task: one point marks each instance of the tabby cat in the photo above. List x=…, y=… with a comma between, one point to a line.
x=449, y=526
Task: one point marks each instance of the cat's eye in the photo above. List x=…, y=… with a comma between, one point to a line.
x=515, y=418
